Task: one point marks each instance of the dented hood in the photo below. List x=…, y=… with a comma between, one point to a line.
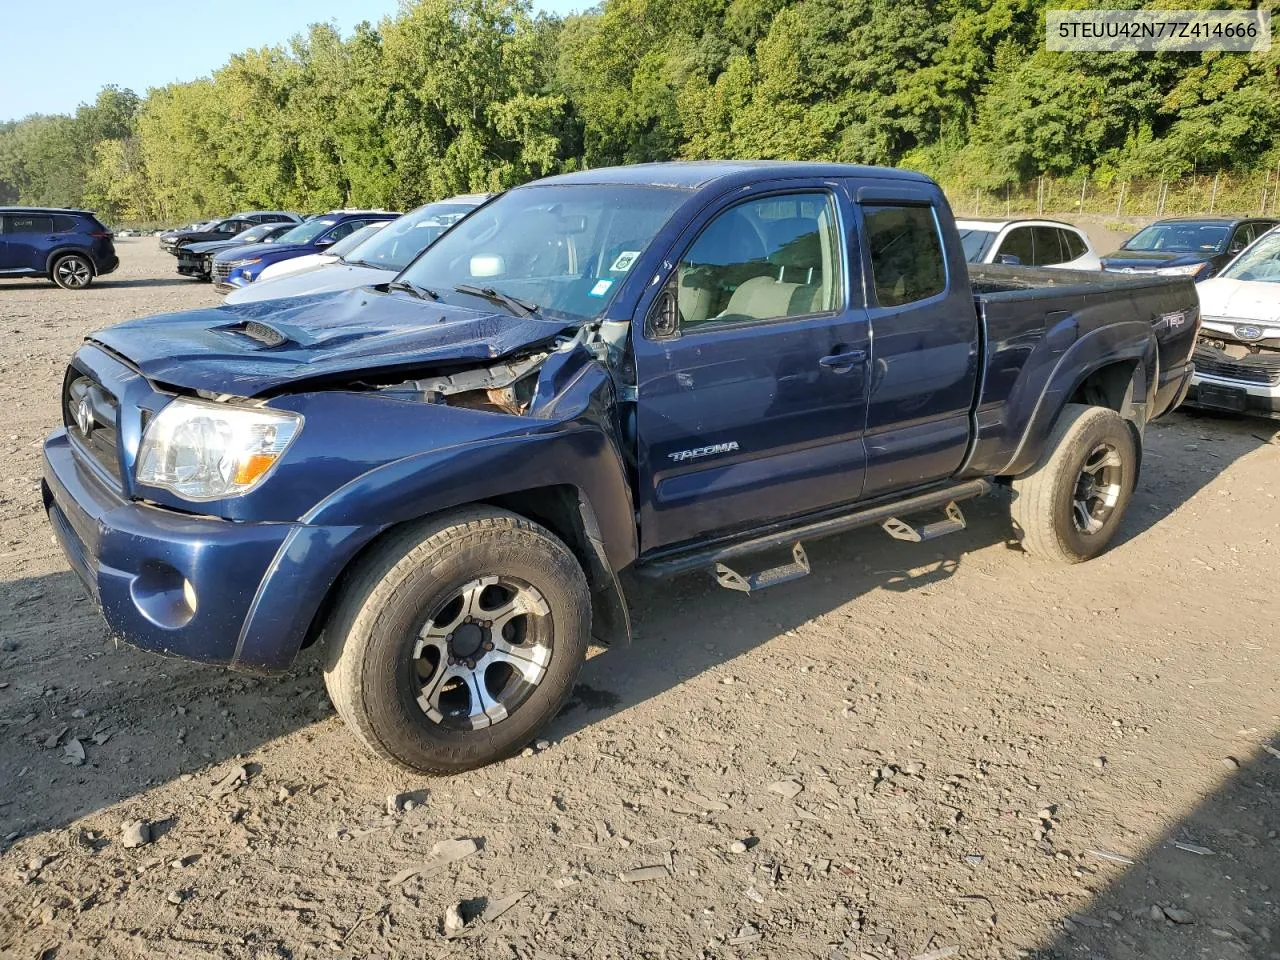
x=254, y=348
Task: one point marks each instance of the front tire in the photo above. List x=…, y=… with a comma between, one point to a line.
x=72, y=272
x=457, y=639
x=1068, y=507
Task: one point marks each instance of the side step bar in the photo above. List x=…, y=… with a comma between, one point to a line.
x=817, y=529
x=730, y=579
x=902, y=530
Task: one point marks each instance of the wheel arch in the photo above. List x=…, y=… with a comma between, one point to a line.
x=1116, y=367
x=564, y=510
x=63, y=251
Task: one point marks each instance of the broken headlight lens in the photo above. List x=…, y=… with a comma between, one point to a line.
x=208, y=451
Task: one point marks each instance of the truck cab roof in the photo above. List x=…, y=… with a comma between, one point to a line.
x=694, y=174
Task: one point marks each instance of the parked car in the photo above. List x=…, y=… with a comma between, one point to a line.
x=1238, y=356
x=238, y=268
x=1196, y=248
x=70, y=247
x=665, y=367
x=1030, y=243
x=376, y=260
x=224, y=229
x=310, y=261
x=195, y=259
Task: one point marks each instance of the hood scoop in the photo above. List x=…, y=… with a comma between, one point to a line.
x=270, y=335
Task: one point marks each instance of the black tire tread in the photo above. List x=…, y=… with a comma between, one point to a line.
x=1036, y=492
x=402, y=554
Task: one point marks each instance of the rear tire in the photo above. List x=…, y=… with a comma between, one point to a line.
x=1068, y=507
x=72, y=271
x=426, y=661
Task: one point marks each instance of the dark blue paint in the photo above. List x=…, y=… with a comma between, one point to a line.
x=26, y=253
x=865, y=402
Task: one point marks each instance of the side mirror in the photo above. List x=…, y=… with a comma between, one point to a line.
x=326, y=242
x=1009, y=259
x=663, y=321
x=1235, y=248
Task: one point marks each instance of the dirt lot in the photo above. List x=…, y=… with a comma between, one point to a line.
x=995, y=757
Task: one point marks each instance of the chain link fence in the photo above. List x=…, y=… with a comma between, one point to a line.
x=1254, y=194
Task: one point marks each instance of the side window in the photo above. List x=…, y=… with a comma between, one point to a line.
x=1074, y=244
x=765, y=259
x=343, y=229
x=64, y=224
x=1240, y=239
x=906, y=253
x=1017, y=244
x=27, y=223
x=1048, y=249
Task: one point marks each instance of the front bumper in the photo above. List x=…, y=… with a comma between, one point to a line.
x=256, y=586
x=1234, y=396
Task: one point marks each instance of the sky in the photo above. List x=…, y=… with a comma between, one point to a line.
x=148, y=43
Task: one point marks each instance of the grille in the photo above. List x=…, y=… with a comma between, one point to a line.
x=221, y=271
x=91, y=415
x=1259, y=368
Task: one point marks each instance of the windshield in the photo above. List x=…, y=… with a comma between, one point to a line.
x=1261, y=262
x=976, y=243
x=355, y=238
x=565, y=248
x=404, y=239
x=306, y=232
x=258, y=233
x=1180, y=238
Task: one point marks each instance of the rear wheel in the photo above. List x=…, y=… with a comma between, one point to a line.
x=1068, y=507
x=72, y=272
x=458, y=639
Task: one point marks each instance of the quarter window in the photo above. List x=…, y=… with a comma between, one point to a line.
x=1074, y=244
x=906, y=253
x=764, y=259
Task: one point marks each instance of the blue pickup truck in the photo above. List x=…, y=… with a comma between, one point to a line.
x=661, y=368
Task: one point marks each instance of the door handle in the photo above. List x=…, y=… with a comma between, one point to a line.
x=843, y=362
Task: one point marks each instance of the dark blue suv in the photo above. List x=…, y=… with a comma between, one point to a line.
x=70, y=247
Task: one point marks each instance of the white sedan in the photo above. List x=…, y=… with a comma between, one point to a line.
x=1238, y=358
x=1030, y=243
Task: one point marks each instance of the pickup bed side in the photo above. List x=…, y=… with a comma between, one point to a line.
x=1050, y=337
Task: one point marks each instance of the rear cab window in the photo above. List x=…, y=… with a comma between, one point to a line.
x=905, y=244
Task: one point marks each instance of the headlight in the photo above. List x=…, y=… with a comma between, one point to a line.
x=208, y=451
x=1190, y=270
x=245, y=263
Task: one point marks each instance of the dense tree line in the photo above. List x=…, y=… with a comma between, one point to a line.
x=456, y=95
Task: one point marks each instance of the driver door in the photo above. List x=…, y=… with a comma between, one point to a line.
x=751, y=371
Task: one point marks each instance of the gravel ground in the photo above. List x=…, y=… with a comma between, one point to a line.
x=937, y=750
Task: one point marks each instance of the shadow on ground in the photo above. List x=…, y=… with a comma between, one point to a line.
x=1210, y=888
x=144, y=720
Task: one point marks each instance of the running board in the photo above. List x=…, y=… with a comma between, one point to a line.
x=902, y=530
x=798, y=567
x=781, y=535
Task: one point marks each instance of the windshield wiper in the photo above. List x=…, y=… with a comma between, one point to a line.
x=422, y=293
x=521, y=308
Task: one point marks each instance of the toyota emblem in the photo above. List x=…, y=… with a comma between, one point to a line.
x=1249, y=332
x=84, y=416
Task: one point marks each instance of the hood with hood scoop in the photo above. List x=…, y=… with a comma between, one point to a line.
x=256, y=348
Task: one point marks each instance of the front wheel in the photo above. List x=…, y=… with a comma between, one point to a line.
x=1068, y=507
x=72, y=272
x=457, y=639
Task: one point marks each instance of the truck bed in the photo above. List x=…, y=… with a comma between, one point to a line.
x=1038, y=325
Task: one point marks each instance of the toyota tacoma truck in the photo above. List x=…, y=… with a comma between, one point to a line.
x=658, y=368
